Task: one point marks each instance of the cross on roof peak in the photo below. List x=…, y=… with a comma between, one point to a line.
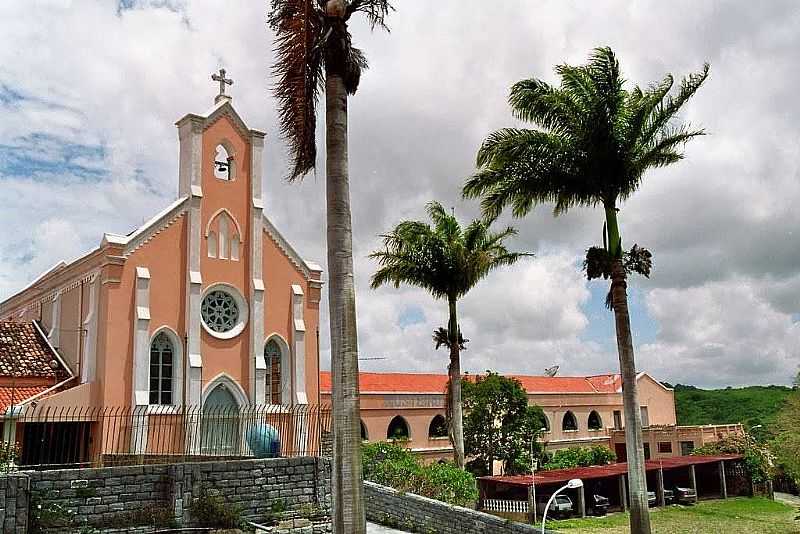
x=223, y=81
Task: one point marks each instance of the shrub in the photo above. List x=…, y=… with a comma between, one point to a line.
x=580, y=457
x=211, y=511
x=757, y=459
x=391, y=465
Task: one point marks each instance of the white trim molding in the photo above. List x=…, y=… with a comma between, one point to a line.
x=54, y=335
x=88, y=368
x=230, y=384
x=299, y=344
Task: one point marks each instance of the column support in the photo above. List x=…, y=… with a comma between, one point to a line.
x=582, y=501
x=660, y=488
x=623, y=493
x=693, y=480
x=723, y=484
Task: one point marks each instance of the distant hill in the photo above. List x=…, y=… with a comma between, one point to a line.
x=752, y=405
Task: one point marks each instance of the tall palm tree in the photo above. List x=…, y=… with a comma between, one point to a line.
x=592, y=143
x=314, y=48
x=447, y=261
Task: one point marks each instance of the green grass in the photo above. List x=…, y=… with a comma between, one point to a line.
x=734, y=515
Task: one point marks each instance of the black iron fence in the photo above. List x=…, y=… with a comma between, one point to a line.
x=50, y=438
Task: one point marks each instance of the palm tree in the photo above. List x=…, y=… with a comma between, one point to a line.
x=314, y=47
x=447, y=261
x=592, y=144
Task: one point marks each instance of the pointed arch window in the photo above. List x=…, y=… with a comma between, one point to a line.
x=224, y=165
x=161, y=369
x=569, y=423
x=272, y=354
x=595, y=422
x=235, y=248
x=223, y=236
x=212, y=244
x=438, y=427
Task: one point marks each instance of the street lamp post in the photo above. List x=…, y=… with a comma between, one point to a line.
x=533, y=484
x=572, y=484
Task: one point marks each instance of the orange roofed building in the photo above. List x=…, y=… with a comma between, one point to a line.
x=204, y=305
x=579, y=411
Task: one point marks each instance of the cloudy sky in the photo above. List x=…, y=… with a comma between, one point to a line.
x=90, y=91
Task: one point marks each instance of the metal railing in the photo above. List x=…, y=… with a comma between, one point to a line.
x=57, y=438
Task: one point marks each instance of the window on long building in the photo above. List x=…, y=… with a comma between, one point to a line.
x=272, y=354
x=569, y=423
x=161, y=366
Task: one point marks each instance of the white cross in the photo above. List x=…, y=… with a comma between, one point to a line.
x=222, y=81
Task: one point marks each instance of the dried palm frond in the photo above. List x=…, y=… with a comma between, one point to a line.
x=299, y=51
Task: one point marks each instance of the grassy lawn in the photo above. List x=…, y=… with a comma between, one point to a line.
x=734, y=515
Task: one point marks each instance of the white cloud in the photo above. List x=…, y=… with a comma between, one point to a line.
x=722, y=333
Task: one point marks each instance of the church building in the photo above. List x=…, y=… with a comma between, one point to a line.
x=205, y=305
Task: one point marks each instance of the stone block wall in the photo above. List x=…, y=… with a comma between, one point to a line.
x=427, y=516
x=103, y=497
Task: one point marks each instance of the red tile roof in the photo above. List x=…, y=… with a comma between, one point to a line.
x=436, y=383
x=560, y=476
x=9, y=395
x=25, y=353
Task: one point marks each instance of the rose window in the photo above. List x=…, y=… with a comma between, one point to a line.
x=219, y=311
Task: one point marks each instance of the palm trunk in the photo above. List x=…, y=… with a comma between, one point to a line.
x=456, y=425
x=348, y=488
x=640, y=515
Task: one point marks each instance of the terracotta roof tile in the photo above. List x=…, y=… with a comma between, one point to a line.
x=435, y=383
x=17, y=395
x=24, y=353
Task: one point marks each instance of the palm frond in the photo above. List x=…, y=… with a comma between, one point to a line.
x=376, y=11
x=298, y=70
x=441, y=337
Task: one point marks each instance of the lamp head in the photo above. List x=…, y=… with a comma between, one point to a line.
x=575, y=483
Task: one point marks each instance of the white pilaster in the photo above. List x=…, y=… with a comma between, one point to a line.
x=141, y=361
x=190, y=130
x=89, y=356
x=194, y=291
x=258, y=366
x=299, y=344
x=54, y=335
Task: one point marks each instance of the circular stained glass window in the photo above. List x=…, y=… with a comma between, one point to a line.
x=219, y=311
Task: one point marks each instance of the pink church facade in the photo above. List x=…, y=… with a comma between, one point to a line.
x=204, y=304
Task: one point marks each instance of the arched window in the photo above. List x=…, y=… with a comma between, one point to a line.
x=438, y=427
x=272, y=354
x=211, y=244
x=224, y=168
x=569, y=422
x=364, y=435
x=398, y=429
x=595, y=422
x=235, y=248
x=223, y=237
x=545, y=423
x=161, y=366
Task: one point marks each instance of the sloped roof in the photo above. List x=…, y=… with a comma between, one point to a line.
x=436, y=383
x=17, y=395
x=24, y=352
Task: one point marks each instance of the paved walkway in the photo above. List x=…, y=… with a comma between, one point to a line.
x=791, y=500
x=372, y=528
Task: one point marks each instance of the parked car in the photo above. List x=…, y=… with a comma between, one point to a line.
x=669, y=497
x=598, y=505
x=685, y=495
x=651, y=498
x=562, y=505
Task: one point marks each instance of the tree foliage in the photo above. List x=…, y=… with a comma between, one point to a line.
x=751, y=406
x=499, y=424
x=592, y=140
x=391, y=465
x=312, y=38
x=786, y=443
x=757, y=458
x=442, y=258
x=579, y=457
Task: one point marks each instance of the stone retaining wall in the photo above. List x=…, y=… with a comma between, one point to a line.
x=427, y=516
x=104, y=497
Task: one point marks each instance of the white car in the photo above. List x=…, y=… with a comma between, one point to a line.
x=561, y=506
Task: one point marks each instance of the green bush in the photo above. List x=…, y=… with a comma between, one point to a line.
x=390, y=465
x=211, y=511
x=757, y=459
x=580, y=457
